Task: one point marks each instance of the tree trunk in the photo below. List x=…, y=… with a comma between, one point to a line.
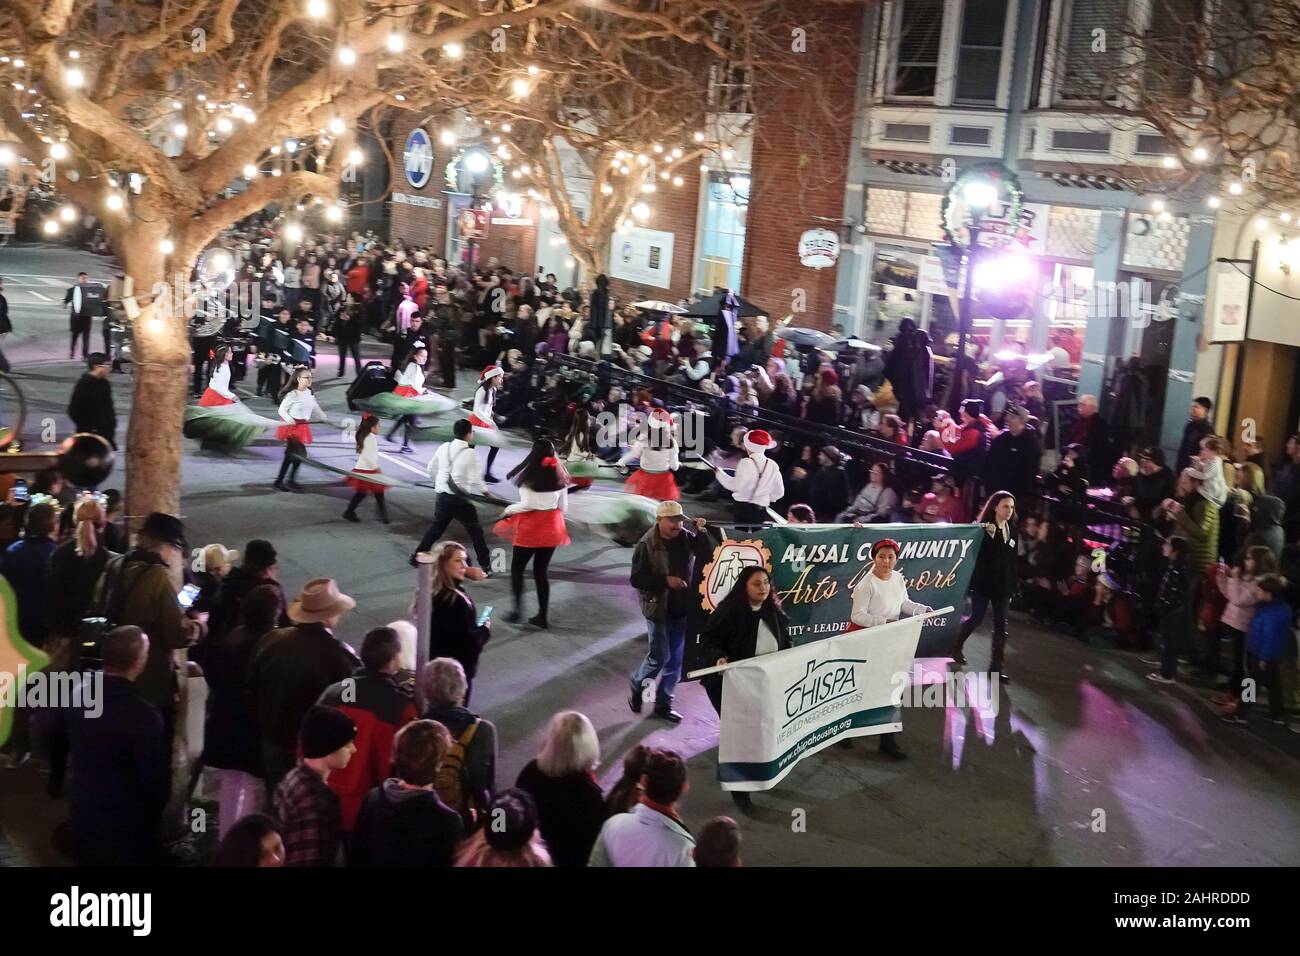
x=160, y=352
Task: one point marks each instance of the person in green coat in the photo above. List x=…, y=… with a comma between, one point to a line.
x=1195, y=518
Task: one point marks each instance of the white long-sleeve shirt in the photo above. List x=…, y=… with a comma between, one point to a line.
x=220, y=382
x=368, y=459
x=299, y=406
x=653, y=460
x=484, y=399
x=412, y=375
x=530, y=500
x=456, y=462
x=879, y=602
x=757, y=481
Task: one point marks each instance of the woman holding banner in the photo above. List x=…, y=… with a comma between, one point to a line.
x=994, y=579
x=746, y=623
x=878, y=598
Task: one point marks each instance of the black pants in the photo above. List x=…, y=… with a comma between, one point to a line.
x=519, y=559
x=492, y=456
x=449, y=508
x=747, y=513
x=293, y=453
x=447, y=363
x=404, y=423
x=979, y=605
x=80, y=328
x=349, y=348
x=1267, y=674
x=270, y=378
x=360, y=496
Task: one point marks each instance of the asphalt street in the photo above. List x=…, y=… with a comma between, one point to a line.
x=1085, y=762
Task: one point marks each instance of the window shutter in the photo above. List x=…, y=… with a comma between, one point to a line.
x=1169, y=67
x=920, y=33
x=1090, y=75
x=981, y=51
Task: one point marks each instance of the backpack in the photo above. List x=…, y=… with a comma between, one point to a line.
x=103, y=614
x=450, y=780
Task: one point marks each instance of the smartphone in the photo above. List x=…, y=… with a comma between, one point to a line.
x=484, y=614
x=189, y=594
x=20, y=490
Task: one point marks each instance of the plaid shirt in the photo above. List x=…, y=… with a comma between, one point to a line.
x=309, y=815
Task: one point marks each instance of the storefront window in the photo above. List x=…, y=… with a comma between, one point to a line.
x=1069, y=303
x=893, y=296
x=722, y=238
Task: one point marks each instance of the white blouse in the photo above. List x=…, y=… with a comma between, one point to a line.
x=765, y=643
x=653, y=460
x=879, y=602
x=220, y=382
x=484, y=398
x=530, y=500
x=413, y=376
x=368, y=459
x=299, y=406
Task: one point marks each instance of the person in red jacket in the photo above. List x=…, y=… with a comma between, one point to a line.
x=967, y=440
x=358, y=278
x=379, y=708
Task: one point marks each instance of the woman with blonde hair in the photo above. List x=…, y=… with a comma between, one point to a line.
x=511, y=840
x=455, y=627
x=562, y=782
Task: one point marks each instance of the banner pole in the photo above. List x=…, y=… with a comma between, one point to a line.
x=706, y=671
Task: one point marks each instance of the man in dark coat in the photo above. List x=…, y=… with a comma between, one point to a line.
x=258, y=567
x=1014, y=456
x=91, y=407
x=1154, y=482
x=293, y=666
x=1197, y=428
x=119, y=761
x=1090, y=431
x=598, y=322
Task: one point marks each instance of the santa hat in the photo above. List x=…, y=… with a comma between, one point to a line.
x=757, y=441
x=491, y=372
x=660, y=418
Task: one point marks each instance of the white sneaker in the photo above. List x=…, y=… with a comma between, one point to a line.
x=1157, y=678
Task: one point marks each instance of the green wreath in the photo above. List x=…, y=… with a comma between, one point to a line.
x=1005, y=181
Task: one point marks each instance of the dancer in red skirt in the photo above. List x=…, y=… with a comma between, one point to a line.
x=410, y=384
x=297, y=407
x=535, y=525
x=218, y=391
x=368, y=464
x=576, y=447
x=485, y=395
x=657, y=451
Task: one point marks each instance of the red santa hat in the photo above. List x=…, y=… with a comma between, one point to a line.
x=758, y=442
x=491, y=372
x=659, y=418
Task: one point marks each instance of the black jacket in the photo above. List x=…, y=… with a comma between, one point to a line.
x=290, y=670
x=682, y=556
x=231, y=738
x=119, y=778
x=399, y=826
x=1190, y=446
x=455, y=632
x=234, y=587
x=994, y=576
x=829, y=493
x=5, y=324
x=732, y=631
x=570, y=812
x=1012, y=463
x=91, y=407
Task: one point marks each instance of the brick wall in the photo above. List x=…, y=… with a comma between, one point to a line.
x=676, y=210
x=417, y=224
x=513, y=246
x=802, y=139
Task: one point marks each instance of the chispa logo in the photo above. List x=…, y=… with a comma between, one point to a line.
x=822, y=684
x=75, y=909
x=721, y=573
x=418, y=158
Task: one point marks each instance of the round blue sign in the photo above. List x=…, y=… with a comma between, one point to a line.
x=418, y=158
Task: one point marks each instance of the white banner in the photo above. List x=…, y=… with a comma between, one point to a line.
x=1231, y=300
x=644, y=256
x=779, y=708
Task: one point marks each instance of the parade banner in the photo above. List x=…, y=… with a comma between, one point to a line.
x=814, y=569
x=780, y=708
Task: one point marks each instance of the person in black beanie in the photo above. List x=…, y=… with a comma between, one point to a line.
x=308, y=810
x=259, y=566
x=91, y=406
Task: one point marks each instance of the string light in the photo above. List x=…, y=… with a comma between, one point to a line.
x=1234, y=188
x=453, y=50
x=250, y=171
x=347, y=55
x=519, y=86
x=277, y=171
x=166, y=247
x=532, y=69
x=6, y=156
x=727, y=155
x=1214, y=202
x=1200, y=154
x=699, y=137
x=177, y=105
x=506, y=127
x=114, y=201
x=180, y=129
x=334, y=214
x=606, y=188
x=337, y=126
x=1261, y=224
x=355, y=157
x=293, y=232
x=74, y=54
x=641, y=211
x=51, y=227
x=224, y=125
x=316, y=8
x=291, y=146
x=1285, y=217
x=396, y=42
x=447, y=137
x=250, y=117
x=1157, y=205
x=677, y=180
x=67, y=214
x=58, y=151
x=74, y=77
x=275, y=150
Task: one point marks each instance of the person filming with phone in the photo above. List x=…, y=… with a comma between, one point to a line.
x=457, y=628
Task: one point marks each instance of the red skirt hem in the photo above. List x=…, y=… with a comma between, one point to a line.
x=298, y=430
x=213, y=399
x=406, y=391
x=534, y=529
x=661, y=486
x=360, y=484
x=479, y=423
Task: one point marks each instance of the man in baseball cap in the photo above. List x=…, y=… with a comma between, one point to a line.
x=665, y=566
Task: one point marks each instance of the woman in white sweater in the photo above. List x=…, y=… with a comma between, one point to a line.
x=657, y=454
x=535, y=526
x=298, y=406
x=881, y=597
x=367, y=464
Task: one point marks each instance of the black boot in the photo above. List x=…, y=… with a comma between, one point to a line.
x=743, y=800
x=284, y=470
x=383, y=508
x=890, y=747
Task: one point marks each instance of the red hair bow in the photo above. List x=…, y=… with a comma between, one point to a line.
x=549, y=462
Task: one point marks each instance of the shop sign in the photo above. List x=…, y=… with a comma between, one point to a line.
x=473, y=223
x=819, y=248
x=427, y=202
x=417, y=157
